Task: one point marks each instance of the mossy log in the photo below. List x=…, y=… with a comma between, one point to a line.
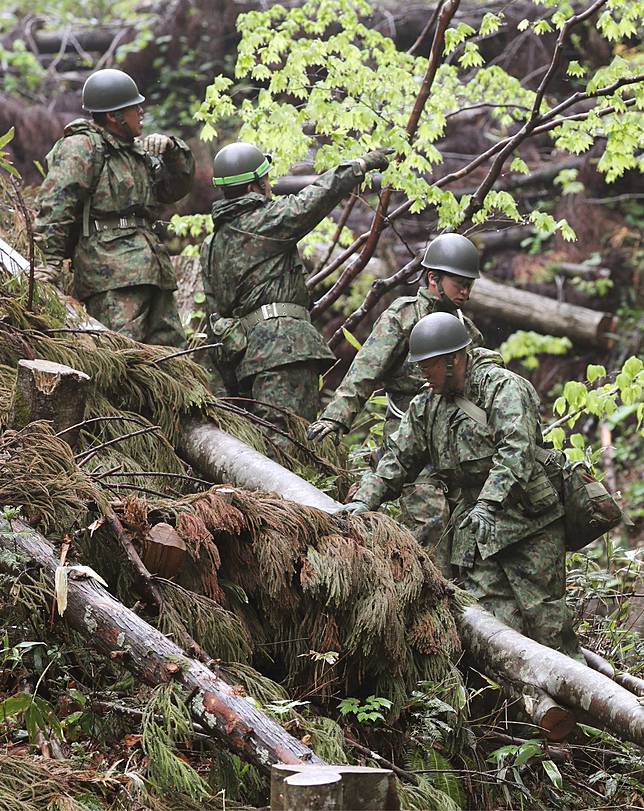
x=112, y=629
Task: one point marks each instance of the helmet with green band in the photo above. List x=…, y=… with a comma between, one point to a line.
x=437, y=334
x=452, y=253
x=239, y=164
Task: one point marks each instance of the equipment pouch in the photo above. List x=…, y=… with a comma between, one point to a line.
x=231, y=334
x=590, y=509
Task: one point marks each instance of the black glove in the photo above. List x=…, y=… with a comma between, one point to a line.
x=322, y=428
x=377, y=159
x=481, y=520
x=353, y=508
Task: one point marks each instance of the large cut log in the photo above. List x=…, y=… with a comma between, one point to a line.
x=523, y=661
x=112, y=629
x=363, y=788
x=228, y=460
x=532, y=311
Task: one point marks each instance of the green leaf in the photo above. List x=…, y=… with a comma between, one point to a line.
x=633, y=366
x=351, y=339
x=8, y=136
x=554, y=775
x=519, y=165
x=575, y=69
x=15, y=704
x=594, y=372
x=199, y=298
x=577, y=441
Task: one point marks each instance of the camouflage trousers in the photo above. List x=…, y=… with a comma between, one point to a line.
x=143, y=312
x=294, y=387
x=424, y=511
x=524, y=586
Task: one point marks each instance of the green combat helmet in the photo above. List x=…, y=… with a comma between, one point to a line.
x=239, y=164
x=109, y=90
x=452, y=253
x=437, y=334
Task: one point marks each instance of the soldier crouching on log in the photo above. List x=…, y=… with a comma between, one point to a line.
x=477, y=425
x=97, y=207
x=452, y=266
x=255, y=282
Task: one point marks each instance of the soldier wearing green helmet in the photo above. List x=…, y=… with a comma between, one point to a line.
x=452, y=264
x=97, y=206
x=476, y=425
x=255, y=280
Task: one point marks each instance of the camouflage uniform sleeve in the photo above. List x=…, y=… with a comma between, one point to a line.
x=380, y=352
x=473, y=332
x=177, y=172
x=293, y=216
x=405, y=456
x=512, y=416
x=60, y=198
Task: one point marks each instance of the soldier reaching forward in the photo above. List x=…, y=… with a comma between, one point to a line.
x=254, y=277
x=452, y=263
x=97, y=206
x=477, y=425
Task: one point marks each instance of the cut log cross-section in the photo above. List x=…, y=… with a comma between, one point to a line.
x=52, y=392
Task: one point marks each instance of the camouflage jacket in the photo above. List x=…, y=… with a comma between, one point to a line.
x=495, y=462
x=252, y=259
x=382, y=360
x=122, y=180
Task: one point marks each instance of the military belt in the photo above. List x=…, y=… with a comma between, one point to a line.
x=277, y=309
x=110, y=223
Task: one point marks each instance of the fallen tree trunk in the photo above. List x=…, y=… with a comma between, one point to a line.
x=112, y=629
x=532, y=311
x=229, y=461
x=525, y=662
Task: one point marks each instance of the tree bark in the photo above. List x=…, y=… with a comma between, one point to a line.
x=228, y=460
x=364, y=788
x=316, y=791
x=112, y=629
x=522, y=661
x=532, y=311
x=52, y=392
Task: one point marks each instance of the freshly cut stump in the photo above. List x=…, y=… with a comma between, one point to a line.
x=317, y=790
x=49, y=391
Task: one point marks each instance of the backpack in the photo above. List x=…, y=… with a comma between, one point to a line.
x=589, y=509
x=81, y=226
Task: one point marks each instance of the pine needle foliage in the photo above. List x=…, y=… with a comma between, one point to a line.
x=166, y=723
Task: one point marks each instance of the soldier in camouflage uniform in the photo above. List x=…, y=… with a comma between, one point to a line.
x=478, y=427
x=97, y=206
x=452, y=263
x=255, y=282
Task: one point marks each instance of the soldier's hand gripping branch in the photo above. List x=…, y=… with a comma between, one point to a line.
x=320, y=429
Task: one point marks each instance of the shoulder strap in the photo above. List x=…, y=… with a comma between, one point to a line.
x=99, y=146
x=471, y=409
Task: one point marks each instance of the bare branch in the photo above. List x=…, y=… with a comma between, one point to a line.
x=371, y=242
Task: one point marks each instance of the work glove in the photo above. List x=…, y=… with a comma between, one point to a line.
x=322, y=428
x=157, y=144
x=481, y=520
x=377, y=159
x=47, y=273
x=353, y=508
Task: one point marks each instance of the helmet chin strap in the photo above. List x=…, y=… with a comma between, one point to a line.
x=118, y=115
x=445, y=299
x=449, y=375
